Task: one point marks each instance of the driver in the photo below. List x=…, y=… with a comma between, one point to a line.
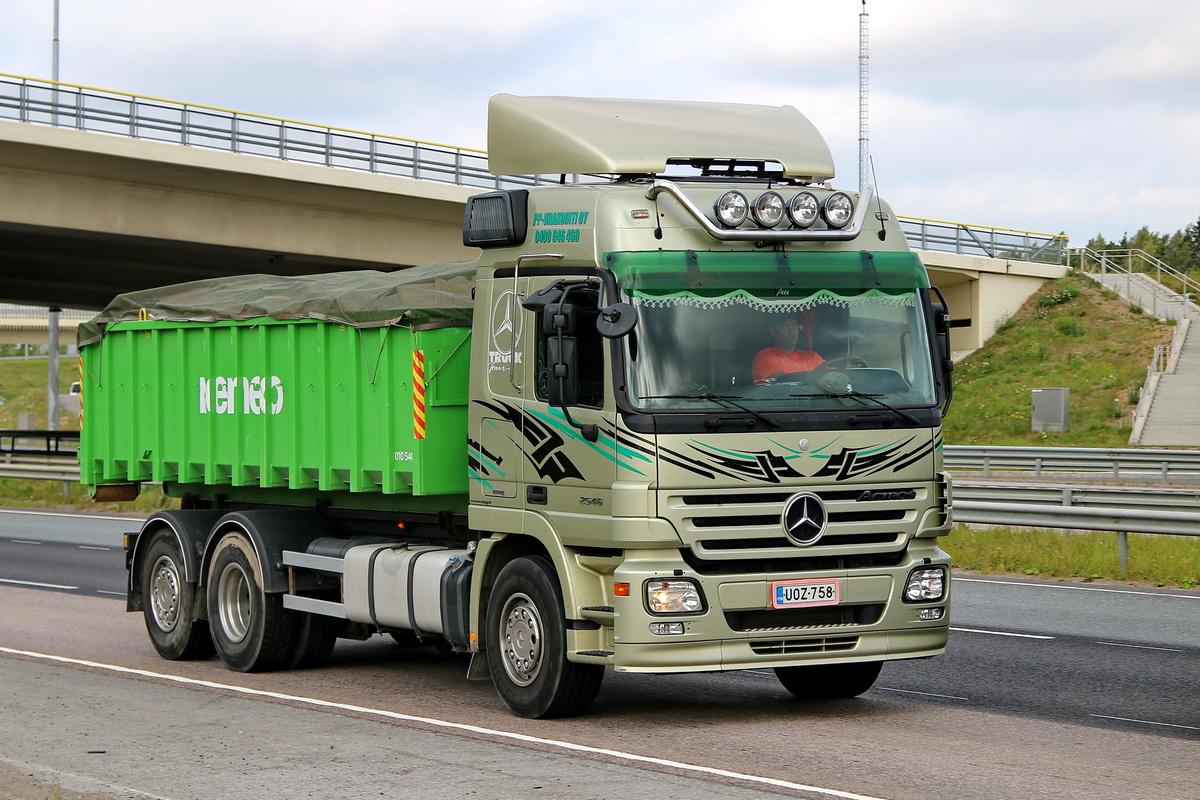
x=785, y=357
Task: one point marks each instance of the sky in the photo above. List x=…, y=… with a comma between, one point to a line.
x=1057, y=116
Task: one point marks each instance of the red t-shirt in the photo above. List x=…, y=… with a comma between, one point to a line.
x=773, y=360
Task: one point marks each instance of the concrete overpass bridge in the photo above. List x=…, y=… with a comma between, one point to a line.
x=98, y=197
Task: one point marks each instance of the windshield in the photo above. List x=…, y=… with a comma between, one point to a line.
x=754, y=344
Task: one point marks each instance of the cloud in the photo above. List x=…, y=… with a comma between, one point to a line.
x=1066, y=115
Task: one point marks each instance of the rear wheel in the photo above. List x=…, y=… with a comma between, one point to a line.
x=168, y=601
x=829, y=681
x=251, y=629
x=527, y=647
x=314, y=640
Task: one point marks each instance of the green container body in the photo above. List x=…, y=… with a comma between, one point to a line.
x=300, y=405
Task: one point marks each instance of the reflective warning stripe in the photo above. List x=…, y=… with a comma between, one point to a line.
x=418, y=394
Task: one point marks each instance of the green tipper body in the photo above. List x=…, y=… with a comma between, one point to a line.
x=279, y=404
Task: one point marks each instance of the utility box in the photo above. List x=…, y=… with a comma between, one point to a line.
x=1051, y=410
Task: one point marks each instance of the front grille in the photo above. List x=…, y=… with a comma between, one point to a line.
x=782, y=541
x=789, y=618
x=780, y=564
x=787, y=647
x=739, y=525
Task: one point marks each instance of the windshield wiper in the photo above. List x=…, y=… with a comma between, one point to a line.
x=861, y=396
x=857, y=395
x=720, y=398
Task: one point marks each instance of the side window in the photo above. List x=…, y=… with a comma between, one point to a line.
x=582, y=349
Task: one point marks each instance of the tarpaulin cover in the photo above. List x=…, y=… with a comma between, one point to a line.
x=360, y=299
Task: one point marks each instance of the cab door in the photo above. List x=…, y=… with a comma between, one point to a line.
x=570, y=412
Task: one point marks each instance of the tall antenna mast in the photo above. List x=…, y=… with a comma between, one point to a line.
x=863, y=157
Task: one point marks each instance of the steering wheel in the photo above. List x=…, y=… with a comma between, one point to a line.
x=845, y=362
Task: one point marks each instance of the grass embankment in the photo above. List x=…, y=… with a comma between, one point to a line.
x=1077, y=335
x=1070, y=334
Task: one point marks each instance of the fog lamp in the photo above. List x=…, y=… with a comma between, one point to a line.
x=930, y=614
x=731, y=209
x=666, y=628
x=925, y=585
x=837, y=210
x=803, y=209
x=768, y=209
x=673, y=597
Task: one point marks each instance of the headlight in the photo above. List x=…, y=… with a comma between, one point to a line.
x=925, y=585
x=673, y=597
x=837, y=210
x=768, y=209
x=731, y=209
x=803, y=209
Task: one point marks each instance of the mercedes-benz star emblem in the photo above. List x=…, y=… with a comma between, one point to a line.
x=804, y=519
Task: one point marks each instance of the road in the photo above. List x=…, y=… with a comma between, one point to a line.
x=1048, y=690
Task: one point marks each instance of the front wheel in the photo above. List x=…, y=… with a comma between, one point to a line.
x=829, y=681
x=251, y=629
x=168, y=601
x=527, y=647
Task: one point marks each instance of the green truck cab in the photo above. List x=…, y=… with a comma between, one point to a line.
x=682, y=414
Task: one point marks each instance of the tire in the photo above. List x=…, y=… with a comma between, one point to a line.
x=829, y=681
x=314, y=640
x=527, y=645
x=168, y=601
x=251, y=629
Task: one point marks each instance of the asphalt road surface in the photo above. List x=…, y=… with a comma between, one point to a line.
x=1047, y=691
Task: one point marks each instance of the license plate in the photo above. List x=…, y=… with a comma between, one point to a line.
x=805, y=593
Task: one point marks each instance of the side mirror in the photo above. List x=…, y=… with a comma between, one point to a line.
x=616, y=320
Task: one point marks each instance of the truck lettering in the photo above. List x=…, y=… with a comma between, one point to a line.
x=219, y=395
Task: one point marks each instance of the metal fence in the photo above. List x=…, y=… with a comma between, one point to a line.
x=978, y=240
x=12, y=311
x=102, y=111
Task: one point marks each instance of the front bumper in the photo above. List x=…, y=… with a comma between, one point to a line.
x=738, y=629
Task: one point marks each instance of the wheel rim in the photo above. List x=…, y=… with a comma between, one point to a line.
x=521, y=632
x=233, y=598
x=164, y=594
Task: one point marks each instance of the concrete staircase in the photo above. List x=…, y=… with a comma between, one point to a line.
x=1173, y=415
x=1139, y=289
x=1169, y=411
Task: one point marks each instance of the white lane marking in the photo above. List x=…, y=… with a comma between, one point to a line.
x=1080, y=588
x=22, y=541
x=102, y=517
x=1141, y=647
x=922, y=694
x=34, y=583
x=460, y=726
x=115, y=594
x=1002, y=633
x=92, y=547
x=1145, y=722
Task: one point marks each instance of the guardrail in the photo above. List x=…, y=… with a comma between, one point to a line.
x=49, y=469
x=88, y=108
x=1126, y=515
x=38, y=443
x=1117, y=464
x=982, y=240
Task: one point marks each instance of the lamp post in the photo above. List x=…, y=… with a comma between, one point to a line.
x=54, y=49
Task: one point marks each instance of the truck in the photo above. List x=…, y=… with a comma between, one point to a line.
x=557, y=458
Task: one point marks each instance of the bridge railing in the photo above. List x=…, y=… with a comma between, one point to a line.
x=981, y=240
x=102, y=111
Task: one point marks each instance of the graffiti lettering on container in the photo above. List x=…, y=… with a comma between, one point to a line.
x=248, y=394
